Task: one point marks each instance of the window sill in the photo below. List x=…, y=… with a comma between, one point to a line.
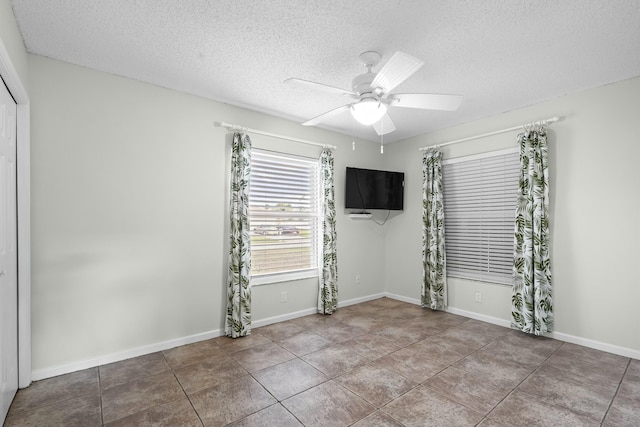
x=267, y=279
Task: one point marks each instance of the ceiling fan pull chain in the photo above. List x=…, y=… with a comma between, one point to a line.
x=353, y=139
x=382, y=138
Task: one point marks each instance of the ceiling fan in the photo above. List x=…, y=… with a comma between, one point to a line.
x=372, y=95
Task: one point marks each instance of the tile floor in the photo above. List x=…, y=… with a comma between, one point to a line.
x=379, y=363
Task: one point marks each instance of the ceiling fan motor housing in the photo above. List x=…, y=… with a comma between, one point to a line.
x=362, y=84
x=370, y=92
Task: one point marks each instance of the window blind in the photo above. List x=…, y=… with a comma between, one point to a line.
x=283, y=213
x=479, y=208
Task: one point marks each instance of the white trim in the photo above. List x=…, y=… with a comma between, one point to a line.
x=54, y=371
x=283, y=317
x=41, y=374
x=360, y=299
x=290, y=276
x=308, y=311
x=481, y=317
x=453, y=310
x=165, y=345
x=494, y=153
x=15, y=86
x=402, y=298
x=560, y=336
x=598, y=345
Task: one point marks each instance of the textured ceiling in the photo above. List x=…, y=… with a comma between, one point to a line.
x=501, y=55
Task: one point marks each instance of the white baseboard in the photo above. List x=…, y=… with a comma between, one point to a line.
x=560, y=336
x=453, y=310
x=282, y=317
x=481, y=317
x=40, y=374
x=360, y=299
x=598, y=345
x=308, y=311
x=402, y=298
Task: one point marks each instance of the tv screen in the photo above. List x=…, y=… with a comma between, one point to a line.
x=374, y=189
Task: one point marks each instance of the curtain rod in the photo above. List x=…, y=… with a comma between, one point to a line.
x=274, y=135
x=522, y=126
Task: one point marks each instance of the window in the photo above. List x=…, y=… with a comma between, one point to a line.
x=284, y=214
x=479, y=210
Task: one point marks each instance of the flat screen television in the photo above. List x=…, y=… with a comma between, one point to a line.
x=374, y=189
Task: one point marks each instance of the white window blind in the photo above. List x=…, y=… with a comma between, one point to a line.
x=283, y=213
x=479, y=210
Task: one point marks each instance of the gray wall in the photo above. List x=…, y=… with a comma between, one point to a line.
x=129, y=201
x=595, y=225
x=129, y=214
x=129, y=197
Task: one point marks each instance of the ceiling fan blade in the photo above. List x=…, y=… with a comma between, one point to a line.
x=326, y=116
x=384, y=125
x=397, y=69
x=319, y=86
x=426, y=101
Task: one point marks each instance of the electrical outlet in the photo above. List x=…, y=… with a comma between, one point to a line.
x=478, y=297
x=357, y=279
x=283, y=297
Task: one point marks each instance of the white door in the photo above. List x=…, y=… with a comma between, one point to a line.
x=8, y=253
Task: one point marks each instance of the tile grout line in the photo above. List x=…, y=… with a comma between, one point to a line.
x=251, y=374
x=571, y=409
x=464, y=357
x=152, y=407
x=334, y=378
x=604, y=417
x=507, y=395
x=100, y=391
x=520, y=383
x=363, y=350
x=423, y=383
x=328, y=378
x=418, y=384
x=56, y=402
x=173, y=372
x=277, y=401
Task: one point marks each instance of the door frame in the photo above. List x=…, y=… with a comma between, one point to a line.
x=23, y=193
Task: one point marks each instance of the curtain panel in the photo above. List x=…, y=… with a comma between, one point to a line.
x=532, y=308
x=238, y=318
x=328, y=294
x=434, y=278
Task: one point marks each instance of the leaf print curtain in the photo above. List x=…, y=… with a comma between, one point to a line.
x=532, y=309
x=434, y=278
x=238, y=319
x=328, y=295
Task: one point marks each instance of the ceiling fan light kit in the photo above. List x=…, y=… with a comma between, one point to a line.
x=368, y=111
x=372, y=93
